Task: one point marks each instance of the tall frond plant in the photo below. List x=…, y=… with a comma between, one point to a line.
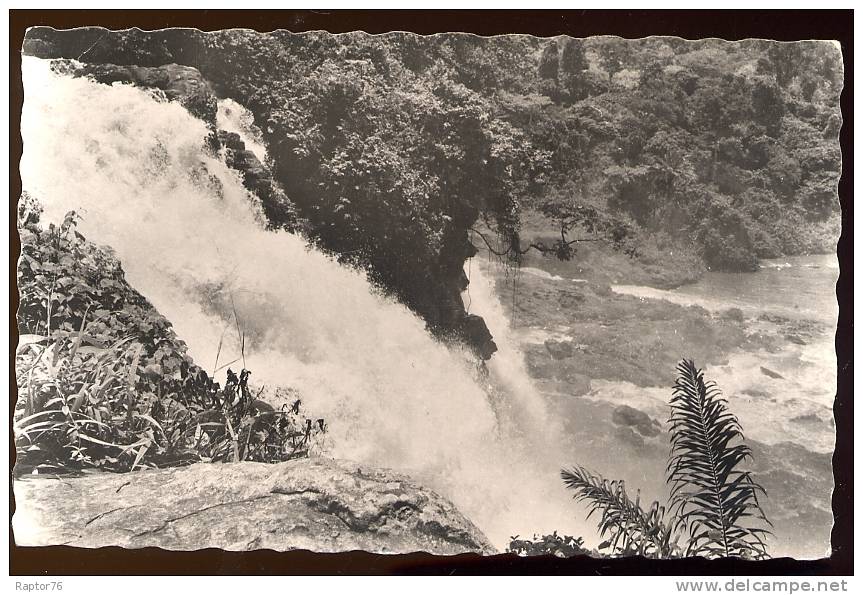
x=714, y=500
x=713, y=509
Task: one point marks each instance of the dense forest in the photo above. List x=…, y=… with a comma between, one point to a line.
x=401, y=153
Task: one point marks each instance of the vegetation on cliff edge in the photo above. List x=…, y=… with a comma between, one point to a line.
x=104, y=382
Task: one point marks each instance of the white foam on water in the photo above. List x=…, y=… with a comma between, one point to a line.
x=233, y=117
x=681, y=299
x=541, y=273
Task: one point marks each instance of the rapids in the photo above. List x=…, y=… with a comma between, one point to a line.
x=190, y=239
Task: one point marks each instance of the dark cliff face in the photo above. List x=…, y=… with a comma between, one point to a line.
x=258, y=178
x=416, y=256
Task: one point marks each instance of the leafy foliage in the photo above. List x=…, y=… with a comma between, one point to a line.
x=713, y=504
x=630, y=530
x=694, y=140
x=104, y=382
x=549, y=62
x=562, y=546
x=614, y=57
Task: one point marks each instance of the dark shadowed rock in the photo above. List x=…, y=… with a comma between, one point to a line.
x=578, y=384
x=735, y=314
x=809, y=418
x=543, y=366
x=770, y=373
x=628, y=436
x=316, y=504
x=796, y=339
x=559, y=349
x=256, y=177
x=758, y=394
x=629, y=416
x=179, y=83
x=476, y=334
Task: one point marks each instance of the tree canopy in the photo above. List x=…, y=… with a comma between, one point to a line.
x=393, y=146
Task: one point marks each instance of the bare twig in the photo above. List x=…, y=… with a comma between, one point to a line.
x=240, y=335
x=95, y=43
x=219, y=350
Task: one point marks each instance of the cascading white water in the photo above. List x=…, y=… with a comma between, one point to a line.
x=521, y=408
x=189, y=237
x=233, y=117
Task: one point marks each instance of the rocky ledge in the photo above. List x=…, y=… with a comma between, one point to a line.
x=316, y=504
x=179, y=83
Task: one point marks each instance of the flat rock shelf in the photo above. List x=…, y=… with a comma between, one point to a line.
x=318, y=504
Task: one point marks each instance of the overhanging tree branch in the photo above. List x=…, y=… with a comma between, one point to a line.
x=538, y=246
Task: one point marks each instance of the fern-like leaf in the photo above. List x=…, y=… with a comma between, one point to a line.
x=630, y=529
x=714, y=501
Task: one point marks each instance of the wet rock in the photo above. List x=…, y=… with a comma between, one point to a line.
x=770, y=373
x=796, y=339
x=476, y=333
x=542, y=366
x=179, y=83
x=317, y=504
x=570, y=300
x=809, y=418
x=539, y=365
x=231, y=140
x=774, y=318
x=560, y=349
x=256, y=177
x=577, y=384
x=603, y=290
x=700, y=311
x=735, y=314
x=628, y=436
x=631, y=417
x=758, y=394
x=438, y=297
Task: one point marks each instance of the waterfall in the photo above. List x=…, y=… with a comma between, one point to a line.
x=190, y=239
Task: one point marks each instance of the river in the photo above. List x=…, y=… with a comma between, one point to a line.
x=794, y=286
x=766, y=338
x=784, y=294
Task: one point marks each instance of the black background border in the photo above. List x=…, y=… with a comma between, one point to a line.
x=785, y=25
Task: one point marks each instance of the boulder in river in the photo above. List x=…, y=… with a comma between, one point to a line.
x=770, y=373
x=796, y=339
x=316, y=504
x=809, y=418
x=734, y=314
x=559, y=349
x=629, y=416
